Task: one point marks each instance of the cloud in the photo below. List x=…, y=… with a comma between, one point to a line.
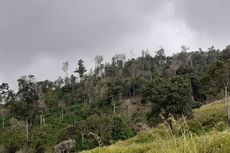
x=209, y=18
x=37, y=36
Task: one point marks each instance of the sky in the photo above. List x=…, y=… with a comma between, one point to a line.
x=37, y=36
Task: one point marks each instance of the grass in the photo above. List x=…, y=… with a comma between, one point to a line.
x=207, y=117
x=213, y=142
x=206, y=132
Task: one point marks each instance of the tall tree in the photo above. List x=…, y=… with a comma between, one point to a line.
x=65, y=67
x=160, y=58
x=217, y=79
x=28, y=96
x=81, y=69
x=98, y=65
x=114, y=88
x=6, y=94
x=168, y=97
x=41, y=105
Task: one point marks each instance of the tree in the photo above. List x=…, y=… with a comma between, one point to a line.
x=82, y=128
x=184, y=48
x=58, y=83
x=62, y=105
x=98, y=65
x=41, y=105
x=213, y=55
x=121, y=129
x=168, y=97
x=225, y=55
x=216, y=79
x=6, y=95
x=3, y=113
x=27, y=89
x=65, y=67
x=160, y=58
x=114, y=88
x=81, y=68
x=26, y=107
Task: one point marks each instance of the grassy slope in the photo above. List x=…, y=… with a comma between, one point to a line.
x=205, y=133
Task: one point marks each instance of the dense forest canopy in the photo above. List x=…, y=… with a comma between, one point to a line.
x=110, y=100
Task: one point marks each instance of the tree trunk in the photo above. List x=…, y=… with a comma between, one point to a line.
x=226, y=104
x=130, y=92
x=82, y=139
x=43, y=119
x=170, y=125
x=3, y=121
x=40, y=118
x=114, y=107
x=62, y=114
x=27, y=130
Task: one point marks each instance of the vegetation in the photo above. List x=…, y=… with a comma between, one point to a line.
x=212, y=138
x=117, y=100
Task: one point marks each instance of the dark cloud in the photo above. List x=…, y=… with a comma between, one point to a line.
x=57, y=27
x=209, y=18
x=36, y=36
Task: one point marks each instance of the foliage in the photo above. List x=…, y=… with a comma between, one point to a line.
x=182, y=140
x=114, y=97
x=168, y=97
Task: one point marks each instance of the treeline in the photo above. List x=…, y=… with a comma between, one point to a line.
x=110, y=100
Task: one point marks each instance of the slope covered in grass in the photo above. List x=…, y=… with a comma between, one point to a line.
x=214, y=142
x=206, y=132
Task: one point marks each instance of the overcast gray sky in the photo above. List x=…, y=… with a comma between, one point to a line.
x=36, y=36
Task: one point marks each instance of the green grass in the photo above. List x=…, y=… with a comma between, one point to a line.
x=206, y=132
x=207, y=117
x=216, y=142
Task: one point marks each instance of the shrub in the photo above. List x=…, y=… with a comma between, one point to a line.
x=220, y=126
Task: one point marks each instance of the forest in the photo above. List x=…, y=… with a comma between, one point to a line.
x=114, y=101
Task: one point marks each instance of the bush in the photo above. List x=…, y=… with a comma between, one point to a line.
x=1, y=149
x=220, y=126
x=11, y=148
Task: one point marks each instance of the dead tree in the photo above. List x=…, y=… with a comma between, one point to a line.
x=41, y=106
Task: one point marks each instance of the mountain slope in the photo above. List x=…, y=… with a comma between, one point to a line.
x=205, y=133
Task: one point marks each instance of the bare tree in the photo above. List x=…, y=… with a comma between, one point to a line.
x=98, y=65
x=65, y=67
x=41, y=105
x=62, y=105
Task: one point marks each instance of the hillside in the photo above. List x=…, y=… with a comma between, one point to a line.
x=115, y=101
x=205, y=133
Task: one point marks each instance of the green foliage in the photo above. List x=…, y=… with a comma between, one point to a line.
x=114, y=97
x=121, y=129
x=81, y=68
x=182, y=140
x=169, y=97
